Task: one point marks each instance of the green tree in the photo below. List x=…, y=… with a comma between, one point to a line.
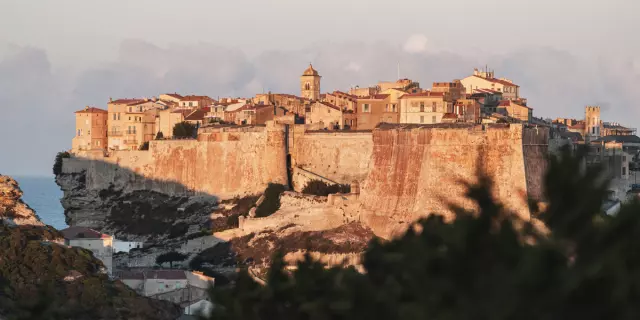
x=184, y=130
x=170, y=257
x=144, y=146
x=57, y=164
x=159, y=135
x=486, y=264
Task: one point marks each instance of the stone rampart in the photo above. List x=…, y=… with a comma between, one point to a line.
x=337, y=156
x=418, y=170
x=224, y=162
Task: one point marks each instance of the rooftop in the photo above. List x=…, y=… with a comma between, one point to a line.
x=82, y=233
x=91, y=110
x=310, y=71
x=617, y=138
x=423, y=94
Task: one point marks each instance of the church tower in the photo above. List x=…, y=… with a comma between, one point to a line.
x=592, y=122
x=310, y=84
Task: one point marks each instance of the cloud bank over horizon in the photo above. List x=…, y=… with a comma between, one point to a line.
x=38, y=98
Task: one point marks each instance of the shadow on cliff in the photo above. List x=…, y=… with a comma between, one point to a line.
x=118, y=200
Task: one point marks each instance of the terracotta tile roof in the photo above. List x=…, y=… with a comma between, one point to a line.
x=310, y=71
x=139, y=102
x=507, y=103
x=196, y=115
x=503, y=82
x=195, y=98
x=375, y=97
x=423, y=94
x=82, y=233
x=579, y=126
x=185, y=112
x=91, y=110
x=330, y=105
x=174, y=95
x=125, y=101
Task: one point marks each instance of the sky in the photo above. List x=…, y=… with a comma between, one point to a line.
x=57, y=56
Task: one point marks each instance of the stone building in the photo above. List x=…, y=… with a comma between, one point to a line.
x=516, y=111
x=455, y=89
x=172, y=97
x=310, y=84
x=99, y=243
x=193, y=101
x=373, y=110
x=324, y=115
x=425, y=107
x=467, y=110
x=592, y=122
x=486, y=80
x=342, y=100
x=91, y=130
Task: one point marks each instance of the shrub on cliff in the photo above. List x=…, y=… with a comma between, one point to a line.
x=170, y=257
x=44, y=280
x=184, y=130
x=271, y=201
x=57, y=164
x=159, y=135
x=144, y=146
x=321, y=188
x=486, y=264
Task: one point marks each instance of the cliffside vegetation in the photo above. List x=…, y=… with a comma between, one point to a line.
x=321, y=188
x=57, y=164
x=482, y=265
x=184, y=130
x=271, y=202
x=40, y=279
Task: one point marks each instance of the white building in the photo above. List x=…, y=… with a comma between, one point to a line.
x=126, y=246
x=178, y=286
x=99, y=243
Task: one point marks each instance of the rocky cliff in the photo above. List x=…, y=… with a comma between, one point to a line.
x=11, y=205
x=41, y=278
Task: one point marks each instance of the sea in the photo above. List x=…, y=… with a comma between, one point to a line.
x=43, y=195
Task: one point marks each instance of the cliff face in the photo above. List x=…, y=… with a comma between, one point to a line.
x=11, y=205
x=39, y=274
x=423, y=169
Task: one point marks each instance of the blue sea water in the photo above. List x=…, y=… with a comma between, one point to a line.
x=43, y=195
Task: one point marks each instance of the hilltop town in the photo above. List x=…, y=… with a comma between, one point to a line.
x=190, y=175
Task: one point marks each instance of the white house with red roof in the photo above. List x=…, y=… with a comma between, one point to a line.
x=99, y=243
x=486, y=80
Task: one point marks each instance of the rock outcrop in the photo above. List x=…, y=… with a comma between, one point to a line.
x=11, y=205
x=39, y=274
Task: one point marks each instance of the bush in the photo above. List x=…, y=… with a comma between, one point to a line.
x=321, y=188
x=57, y=164
x=184, y=130
x=170, y=257
x=486, y=263
x=144, y=146
x=271, y=201
x=159, y=135
x=178, y=230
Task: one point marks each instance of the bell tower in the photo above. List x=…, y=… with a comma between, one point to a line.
x=592, y=122
x=310, y=84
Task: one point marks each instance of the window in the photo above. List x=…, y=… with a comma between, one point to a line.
x=129, y=118
x=129, y=109
x=79, y=132
x=98, y=142
x=114, y=116
x=190, y=104
x=433, y=106
x=624, y=171
x=421, y=119
x=386, y=107
x=89, y=132
x=433, y=119
x=365, y=107
x=421, y=106
x=118, y=116
x=307, y=86
x=393, y=106
x=328, y=110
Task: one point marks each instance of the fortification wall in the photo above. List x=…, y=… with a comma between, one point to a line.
x=337, y=156
x=224, y=162
x=418, y=170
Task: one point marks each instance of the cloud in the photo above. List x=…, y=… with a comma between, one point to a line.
x=37, y=100
x=417, y=43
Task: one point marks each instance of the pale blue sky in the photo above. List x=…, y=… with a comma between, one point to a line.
x=58, y=55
